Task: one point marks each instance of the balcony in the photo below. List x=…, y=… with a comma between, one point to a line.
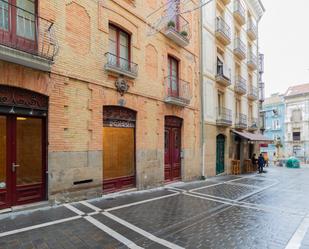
x=252, y=61
x=253, y=93
x=239, y=12
x=253, y=124
x=178, y=30
x=241, y=121
x=252, y=30
x=26, y=38
x=221, y=76
x=223, y=31
x=120, y=66
x=178, y=91
x=240, y=85
x=224, y=117
x=239, y=49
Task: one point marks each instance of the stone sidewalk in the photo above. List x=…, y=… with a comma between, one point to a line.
x=248, y=211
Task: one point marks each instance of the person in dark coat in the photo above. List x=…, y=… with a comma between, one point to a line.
x=261, y=163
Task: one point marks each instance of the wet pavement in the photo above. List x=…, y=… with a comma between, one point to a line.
x=249, y=211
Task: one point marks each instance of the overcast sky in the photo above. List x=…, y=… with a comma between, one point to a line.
x=284, y=39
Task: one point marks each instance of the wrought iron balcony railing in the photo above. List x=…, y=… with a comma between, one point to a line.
x=241, y=121
x=178, y=30
x=120, y=65
x=239, y=12
x=252, y=60
x=252, y=30
x=240, y=85
x=27, y=32
x=224, y=117
x=178, y=91
x=253, y=124
x=223, y=77
x=253, y=93
x=240, y=48
x=223, y=31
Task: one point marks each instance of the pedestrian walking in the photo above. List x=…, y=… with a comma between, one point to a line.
x=261, y=163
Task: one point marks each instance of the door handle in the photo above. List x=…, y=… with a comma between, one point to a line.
x=14, y=166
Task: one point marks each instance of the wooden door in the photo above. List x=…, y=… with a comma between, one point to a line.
x=118, y=158
x=118, y=148
x=220, y=154
x=172, y=149
x=22, y=160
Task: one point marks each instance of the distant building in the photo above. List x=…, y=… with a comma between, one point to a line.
x=297, y=122
x=274, y=113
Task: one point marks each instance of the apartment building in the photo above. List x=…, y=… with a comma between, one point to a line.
x=91, y=103
x=297, y=122
x=274, y=114
x=230, y=82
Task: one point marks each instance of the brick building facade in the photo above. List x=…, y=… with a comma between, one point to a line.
x=149, y=123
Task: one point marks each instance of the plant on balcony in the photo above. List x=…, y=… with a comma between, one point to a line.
x=171, y=24
x=184, y=33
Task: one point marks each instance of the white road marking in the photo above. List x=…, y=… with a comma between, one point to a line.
x=73, y=209
x=141, y=202
x=143, y=232
x=87, y=204
x=25, y=229
x=298, y=236
x=112, y=233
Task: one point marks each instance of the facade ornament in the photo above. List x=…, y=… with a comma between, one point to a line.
x=121, y=85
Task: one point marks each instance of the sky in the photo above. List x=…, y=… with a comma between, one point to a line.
x=284, y=39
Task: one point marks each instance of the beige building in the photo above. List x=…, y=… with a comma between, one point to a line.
x=230, y=82
x=105, y=106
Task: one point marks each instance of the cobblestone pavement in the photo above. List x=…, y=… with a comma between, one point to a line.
x=249, y=211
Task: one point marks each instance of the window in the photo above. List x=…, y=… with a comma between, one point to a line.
x=173, y=76
x=18, y=22
x=296, y=136
x=276, y=124
x=237, y=107
x=119, y=46
x=296, y=115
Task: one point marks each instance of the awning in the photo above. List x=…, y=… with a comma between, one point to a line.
x=253, y=137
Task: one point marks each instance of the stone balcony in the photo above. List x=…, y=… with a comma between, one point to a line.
x=252, y=61
x=178, y=91
x=224, y=117
x=239, y=12
x=223, y=31
x=252, y=30
x=120, y=66
x=178, y=30
x=253, y=93
x=240, y=85
x=31, y=43
x=241, y=121
x=239, y=49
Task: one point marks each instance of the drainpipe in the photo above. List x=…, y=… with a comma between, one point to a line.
x=202, y=95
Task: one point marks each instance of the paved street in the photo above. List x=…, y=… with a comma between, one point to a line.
x=248, y=211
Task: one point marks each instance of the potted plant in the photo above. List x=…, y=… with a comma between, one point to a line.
x=171, y=24
x=184, y=33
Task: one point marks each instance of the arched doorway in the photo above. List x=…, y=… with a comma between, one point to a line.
x=172, y=148
x=23, y=147
x=220, y=154
x=118, y=148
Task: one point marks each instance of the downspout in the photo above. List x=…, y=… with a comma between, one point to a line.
x=202, y=138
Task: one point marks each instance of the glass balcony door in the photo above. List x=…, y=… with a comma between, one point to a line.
x=18, y=21
x=173, y=79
